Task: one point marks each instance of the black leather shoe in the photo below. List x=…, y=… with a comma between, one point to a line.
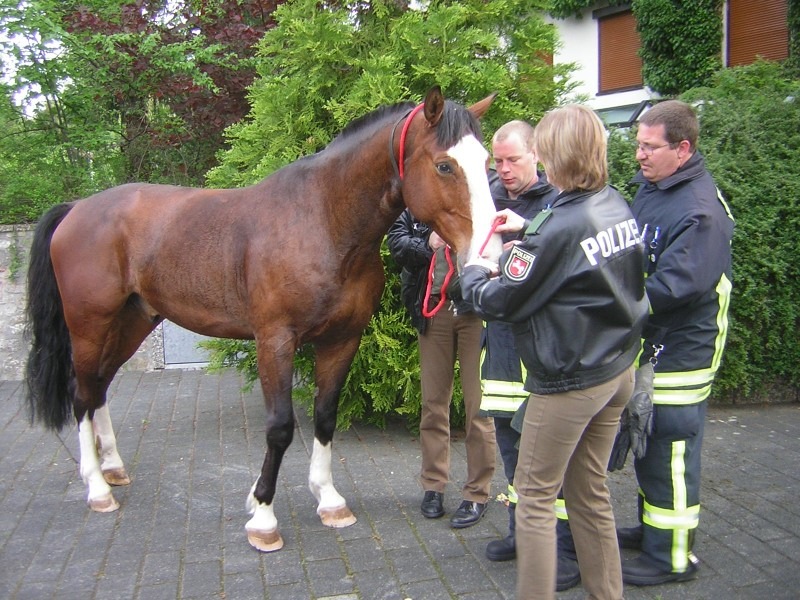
x=432, y=505
x=569, y=574
x=467, y=514
x=500, y=550
x=641, y=571
x=630, y=537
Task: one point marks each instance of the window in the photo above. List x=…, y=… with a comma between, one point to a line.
x=620, y=65
x=757, y=29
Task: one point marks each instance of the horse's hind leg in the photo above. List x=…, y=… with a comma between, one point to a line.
x=110, y=461
x=332, y=365
x=97, y=358
x=100, y=498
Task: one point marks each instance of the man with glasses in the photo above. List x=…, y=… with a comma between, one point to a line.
x=687, y=229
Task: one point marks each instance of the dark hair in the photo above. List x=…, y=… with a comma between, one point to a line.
x=678, y=119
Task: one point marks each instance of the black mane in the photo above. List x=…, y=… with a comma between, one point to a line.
x=456, y=122
x=377, y=115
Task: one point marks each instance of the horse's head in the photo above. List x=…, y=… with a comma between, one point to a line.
x=445, y=183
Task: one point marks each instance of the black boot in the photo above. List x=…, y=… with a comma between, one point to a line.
x=505, y=549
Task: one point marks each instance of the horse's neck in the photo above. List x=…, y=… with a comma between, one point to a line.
x=369, y=195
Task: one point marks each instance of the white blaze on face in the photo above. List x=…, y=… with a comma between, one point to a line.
x=471, y=156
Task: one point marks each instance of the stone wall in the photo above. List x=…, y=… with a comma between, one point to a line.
x=15, y=241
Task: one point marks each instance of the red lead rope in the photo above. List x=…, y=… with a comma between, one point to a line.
x=428, y=312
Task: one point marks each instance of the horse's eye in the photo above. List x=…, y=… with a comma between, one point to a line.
x=444, y=168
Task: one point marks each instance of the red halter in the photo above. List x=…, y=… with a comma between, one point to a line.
x=406, y=125
x=426, y=312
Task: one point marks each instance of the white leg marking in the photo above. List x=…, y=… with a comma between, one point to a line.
x=262, y=528
x=471, y=156
x=332, y=508
x=100, y=498
x=106, y=442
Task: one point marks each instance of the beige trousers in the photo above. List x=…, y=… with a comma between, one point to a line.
x=448, y=337
x=567, y=438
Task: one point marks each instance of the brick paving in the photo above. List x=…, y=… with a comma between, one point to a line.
x=193, y=444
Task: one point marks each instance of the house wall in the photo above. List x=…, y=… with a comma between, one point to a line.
x=580, y=45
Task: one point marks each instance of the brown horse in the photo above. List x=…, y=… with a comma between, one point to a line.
x=292, y=260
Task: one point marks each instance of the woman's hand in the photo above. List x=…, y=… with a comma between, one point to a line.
x=512, y=222
x=479, y=261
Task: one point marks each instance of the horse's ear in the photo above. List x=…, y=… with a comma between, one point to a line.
x=480, y=107
x=434, y=105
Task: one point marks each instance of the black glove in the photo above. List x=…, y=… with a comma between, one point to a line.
x=622, y=443
x=640, y=409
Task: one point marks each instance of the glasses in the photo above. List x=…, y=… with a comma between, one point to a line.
x=648, y=150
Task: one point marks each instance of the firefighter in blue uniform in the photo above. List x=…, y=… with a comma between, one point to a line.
x=687, y=228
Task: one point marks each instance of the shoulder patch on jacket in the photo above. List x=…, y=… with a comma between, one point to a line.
x=518, y=264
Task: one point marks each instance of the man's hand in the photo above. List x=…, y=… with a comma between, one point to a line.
x=435, y=241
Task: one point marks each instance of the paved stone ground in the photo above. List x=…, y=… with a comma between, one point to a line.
x=193, y=443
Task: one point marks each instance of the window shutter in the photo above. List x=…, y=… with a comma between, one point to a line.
x=620, y=65
x=757, y=29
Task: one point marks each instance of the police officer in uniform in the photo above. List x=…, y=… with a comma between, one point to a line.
x=573, y=288
x=687, y=229
x=516, y=184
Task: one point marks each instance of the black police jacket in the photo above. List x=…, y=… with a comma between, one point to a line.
x=501, y=361
x=574, y=289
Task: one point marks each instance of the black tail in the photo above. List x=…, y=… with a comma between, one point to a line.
x=49, y=375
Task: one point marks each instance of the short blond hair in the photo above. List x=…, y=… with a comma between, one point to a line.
x=522, y=129
x=571, y=144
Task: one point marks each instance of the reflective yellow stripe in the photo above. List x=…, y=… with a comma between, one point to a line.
x=684, y=379
x=494, y=387
x=724, y=288
x=680, y=397
x=561, y=509
x=725, y=205
x=662, y=518
x=512, y=494
x=502, y=396
x=680, y=519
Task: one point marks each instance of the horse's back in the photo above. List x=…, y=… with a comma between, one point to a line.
x=218, y=262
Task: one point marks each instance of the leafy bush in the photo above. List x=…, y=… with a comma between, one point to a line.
x=681, y=42
x=749, y=134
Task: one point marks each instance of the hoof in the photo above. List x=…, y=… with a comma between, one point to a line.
x=337, y=517
x=103, y=504
x=264, y=541
x=116, y=477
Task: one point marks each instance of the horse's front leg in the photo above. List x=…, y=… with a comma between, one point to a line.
x=275, y=371
x=332, y=366
x=100, y=498
x=110, y=461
